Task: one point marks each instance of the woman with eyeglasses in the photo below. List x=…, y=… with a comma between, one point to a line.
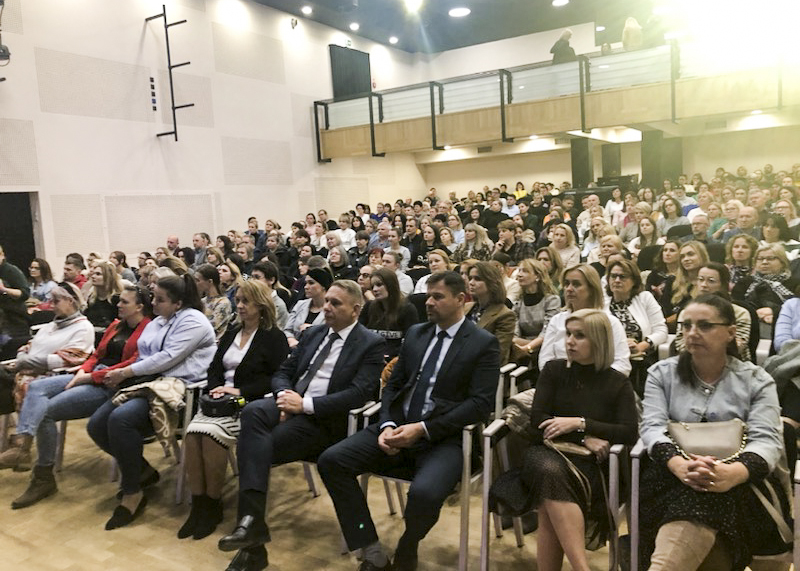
x=697, y=508
x=714, y=277
x=68, y=396
x=640, y=315
x=770, y=285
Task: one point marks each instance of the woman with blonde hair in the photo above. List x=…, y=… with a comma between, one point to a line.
x=770, y=285
x=580, y=399
x=538, y=303
x=692, y=255
x=740, y=253
x=563, y=242
x=582, y=290
x=551, y=260
x=476, y=245
x=230, y=278
x=103, y=294
x=438, y=261
x=247, y=356
x=447, y=239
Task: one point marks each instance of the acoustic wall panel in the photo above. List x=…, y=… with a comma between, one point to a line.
x=257, y=162
x=19, y=165
x=181, y=214
x=248, y=55
x=340, y=194
x=188, y=89
x=71, y=230
x=302, y=115
x=194, y=4
x=12, y=19
x=91, y=87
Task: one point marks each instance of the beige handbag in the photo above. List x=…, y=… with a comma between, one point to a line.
x=723, y=440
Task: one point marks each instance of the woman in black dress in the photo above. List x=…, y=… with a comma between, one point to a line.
x=390, y=314
x=582, y=401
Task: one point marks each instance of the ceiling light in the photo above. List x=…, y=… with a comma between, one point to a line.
x=413, y=6
x=559, y=3
x=756, y=112
x=521, y=87
x=534, y=137
x=306, y=10
x=354, y=26
x=447, y=147
x=459, y=12
x=393, y=40
x=604, y=67
x=600, y=29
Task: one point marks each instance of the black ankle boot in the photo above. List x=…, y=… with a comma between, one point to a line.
x=209, y=518
x=198, y=504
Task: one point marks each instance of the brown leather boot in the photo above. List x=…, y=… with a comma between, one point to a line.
x=18, y=457
x=43, y=484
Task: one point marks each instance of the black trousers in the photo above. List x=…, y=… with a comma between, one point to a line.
x=265, y=442
x=436, y=470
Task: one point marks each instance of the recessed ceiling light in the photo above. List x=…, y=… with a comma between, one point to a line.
x=534, y=137
x=354, y=26
x=521, y=87
x=559, y=3
x=393, y=40
x=459, y=12
x=447, y=147
x=756, y=112
x=306, y=10
x=413, y=6
x=600, y=29
x=604, y=67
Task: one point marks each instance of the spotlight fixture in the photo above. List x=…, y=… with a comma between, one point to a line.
x=459, y=12
x=600, y=29
x=447, y=147
x=393, y=40
x=306, y=10
x=354, y=26
x=559, y=3
x=413, y=6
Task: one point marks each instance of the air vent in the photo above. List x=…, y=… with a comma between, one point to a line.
x=484, y=149
x=719, y=124
x=562, y=140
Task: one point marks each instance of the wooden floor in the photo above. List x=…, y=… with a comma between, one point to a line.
x=66, y=531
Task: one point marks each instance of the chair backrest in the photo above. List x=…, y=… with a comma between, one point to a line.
x=646, y=257
x=716, y=252
x=416, y=273
x=679, y=231
x=418, y=301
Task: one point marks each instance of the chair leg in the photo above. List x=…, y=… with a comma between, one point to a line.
x=466, y=473
x=312, y=484
x=389, y=499
x=62, y=438
x=5, y=422
x=401, y=497
x=232, y=461
x=113, y=470
x=180, y=479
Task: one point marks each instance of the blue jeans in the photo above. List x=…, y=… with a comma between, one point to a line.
x=47, y=402
x=120, y=431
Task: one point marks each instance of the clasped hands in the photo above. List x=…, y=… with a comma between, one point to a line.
x=561, y=425
x=707, y=474
x=289, y=403
x=392, y=439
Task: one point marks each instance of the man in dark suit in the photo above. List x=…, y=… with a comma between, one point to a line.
x=444, y=380
x=336, y=367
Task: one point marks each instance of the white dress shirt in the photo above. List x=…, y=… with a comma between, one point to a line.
x=319, y=384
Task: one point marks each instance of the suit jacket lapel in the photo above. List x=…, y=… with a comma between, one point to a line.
x=305, y=360
x=455, y=347
x=344, y=357
x=424, y=341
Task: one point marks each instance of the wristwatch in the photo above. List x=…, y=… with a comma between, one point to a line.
x=582, y=427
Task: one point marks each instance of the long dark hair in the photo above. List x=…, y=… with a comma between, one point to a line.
x=384, y=313
x=182, y=289
x=143, y=297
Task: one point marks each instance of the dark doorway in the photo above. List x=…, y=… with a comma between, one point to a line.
x=16, y=229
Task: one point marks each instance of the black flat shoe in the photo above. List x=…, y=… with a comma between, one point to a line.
x=254, y=559
x=149, y=478
x=244, y=536
x=122, y=516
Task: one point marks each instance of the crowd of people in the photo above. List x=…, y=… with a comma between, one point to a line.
x=297, y=326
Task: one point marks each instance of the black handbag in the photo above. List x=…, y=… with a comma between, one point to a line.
x=228, y=405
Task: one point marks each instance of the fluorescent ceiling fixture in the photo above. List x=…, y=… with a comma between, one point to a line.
x=521, y=87
x=459, y=12
x=600, y=29
x=604, y=66
x=393, y=40
x=354, y=26
x=534, y=137
x=756, y=112
x=559, y=3
x=306, y=10
x=413, y=5
x=447, y=147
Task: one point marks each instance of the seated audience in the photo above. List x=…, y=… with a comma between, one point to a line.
x=230, y=278
x=564, y=244
x=698, y=507
x=647, y=236
x=308, y=312
x=549, y=257
x=770, y=285
x=419, y=428
x=389, y=314
x=340, y=264
x=216, y=305
x=582, y=290
x=776, y=231
x=246, y=359
x=579, y=400
x=438, y=261
x=740, y=254
x=307, y=413
x=448, y=240
x=476, y=244
x=678, y=292
x=538, y=303
x=609, y=245
x=671, y=216
x=176, y=347
x=268, y=273
x=41, y=282
x=391, y=261
x=488, y=309
x=68, y=396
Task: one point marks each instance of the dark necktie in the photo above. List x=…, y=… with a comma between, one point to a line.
x=424, y=380
x=302, y=385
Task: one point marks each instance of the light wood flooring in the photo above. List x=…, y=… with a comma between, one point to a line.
x=66, y=531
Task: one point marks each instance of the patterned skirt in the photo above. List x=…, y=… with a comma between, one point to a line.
x=224, y=430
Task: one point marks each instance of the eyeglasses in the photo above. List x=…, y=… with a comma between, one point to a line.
x=614, y=277
x=702, y=326
x=710, y=281
x=364, y=274
x=766, y=259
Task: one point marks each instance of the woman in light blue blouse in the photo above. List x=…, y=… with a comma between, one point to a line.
x=179, y=343
x=41, y=280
